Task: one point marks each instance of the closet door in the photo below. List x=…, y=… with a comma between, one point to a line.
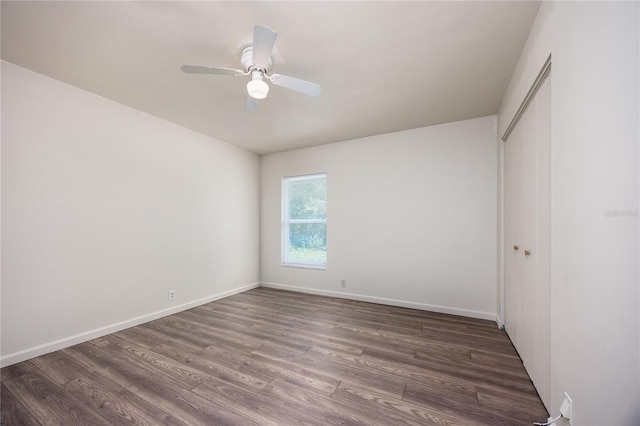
x=528, y=238
x=541, y=365
x=513, y=189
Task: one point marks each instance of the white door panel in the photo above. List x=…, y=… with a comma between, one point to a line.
x=528, y=226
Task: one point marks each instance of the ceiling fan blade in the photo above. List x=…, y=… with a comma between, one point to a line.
x=251, y=104
x=196, y=69
x=302, y=86
x=263, y=40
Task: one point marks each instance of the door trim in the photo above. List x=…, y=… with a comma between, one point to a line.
x=542, y=76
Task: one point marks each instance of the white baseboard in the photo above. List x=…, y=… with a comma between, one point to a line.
x=385, y=301
x=500, y=322
x=113, y=328
x=46, y=348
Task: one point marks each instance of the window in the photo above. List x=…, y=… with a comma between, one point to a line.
x=304, y=221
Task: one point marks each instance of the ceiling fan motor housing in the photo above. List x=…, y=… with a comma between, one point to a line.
x=246, y=59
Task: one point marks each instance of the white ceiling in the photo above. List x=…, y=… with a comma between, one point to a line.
x=383, y=66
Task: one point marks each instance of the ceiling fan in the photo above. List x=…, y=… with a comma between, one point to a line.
x=257, y=61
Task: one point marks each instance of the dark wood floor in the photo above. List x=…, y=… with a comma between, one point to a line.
x=273, y=357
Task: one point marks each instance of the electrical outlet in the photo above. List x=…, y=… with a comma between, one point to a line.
x=172, y=295
x=343, y=283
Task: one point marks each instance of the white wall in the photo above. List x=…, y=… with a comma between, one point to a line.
x=105, y=209
x=411, y=218
x=595, y=134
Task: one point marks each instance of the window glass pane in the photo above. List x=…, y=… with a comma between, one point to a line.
x=304, y=225
x=307, y=243
x=308, y=198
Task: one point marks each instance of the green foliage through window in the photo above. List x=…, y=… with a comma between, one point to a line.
x=305, y=220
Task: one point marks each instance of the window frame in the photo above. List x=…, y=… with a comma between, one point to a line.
x=286, y=222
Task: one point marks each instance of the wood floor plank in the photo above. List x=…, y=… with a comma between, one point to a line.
x=50, y=403
x=12, y=412
x=260, y=409
x=309, y=339
x=60, y=367
x=147, y=337
x=116, y=404
x=399, y=409
x=284, y=370
x=273, y=357
x=334, y=365
x=473, y=367
x=333, y=411
x=461, y=340
x=369, y=341
x=211, y=314
x=176, y=371
x=408, y=374
x=418, y=369
x=186, y=404
x=185, y=335
x=412, y=329
x=452, y=404
x=256, y=316
x=115, y=368
x=211, y=365
x=340, y=370
x=510, y=405
x=207, y=333
x=17, y=370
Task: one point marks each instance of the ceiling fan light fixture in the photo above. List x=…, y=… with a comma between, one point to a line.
x=257, y=87
x=256, y=60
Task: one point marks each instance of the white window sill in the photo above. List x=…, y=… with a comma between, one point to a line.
x=305, y=266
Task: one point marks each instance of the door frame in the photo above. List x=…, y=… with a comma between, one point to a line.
x=545, y=71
